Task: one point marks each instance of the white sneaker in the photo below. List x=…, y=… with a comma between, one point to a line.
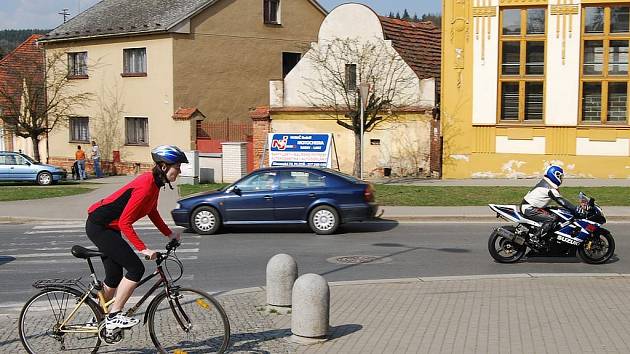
x=120, y=321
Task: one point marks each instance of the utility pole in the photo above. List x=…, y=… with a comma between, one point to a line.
x=65, y=14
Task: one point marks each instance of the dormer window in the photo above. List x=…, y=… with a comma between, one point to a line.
x=271, y=11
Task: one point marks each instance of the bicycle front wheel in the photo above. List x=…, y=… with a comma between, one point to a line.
x=189, y=321
x=48, y=324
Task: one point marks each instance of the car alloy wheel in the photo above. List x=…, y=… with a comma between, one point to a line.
x=205, y=220
x=44, y=178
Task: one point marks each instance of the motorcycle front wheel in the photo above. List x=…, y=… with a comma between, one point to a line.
x=503, y=250
x=597, y=249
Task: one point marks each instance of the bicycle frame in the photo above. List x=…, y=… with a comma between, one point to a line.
x=104, y=304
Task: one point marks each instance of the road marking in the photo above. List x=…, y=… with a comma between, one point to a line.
x=65, y=254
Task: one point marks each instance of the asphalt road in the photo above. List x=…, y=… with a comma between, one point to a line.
x=238, y=259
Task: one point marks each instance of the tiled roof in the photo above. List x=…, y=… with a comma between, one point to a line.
x=186, y=113
x=125, y=17
x=131, y=17
x=418, y=43
x=25, y=63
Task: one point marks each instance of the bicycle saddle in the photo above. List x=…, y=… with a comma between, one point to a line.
x=82, y=252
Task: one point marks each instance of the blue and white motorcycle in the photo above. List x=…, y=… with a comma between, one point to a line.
x=594, y=244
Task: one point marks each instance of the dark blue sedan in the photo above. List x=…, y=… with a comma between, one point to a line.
x=323, y=198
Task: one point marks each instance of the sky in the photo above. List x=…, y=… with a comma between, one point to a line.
x=43, y=14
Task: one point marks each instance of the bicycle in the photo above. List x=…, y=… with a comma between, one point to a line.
x=70, y=317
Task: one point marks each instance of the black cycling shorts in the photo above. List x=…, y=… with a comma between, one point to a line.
x=118, y=254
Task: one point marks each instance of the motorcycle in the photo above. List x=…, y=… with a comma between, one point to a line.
x=593, y=243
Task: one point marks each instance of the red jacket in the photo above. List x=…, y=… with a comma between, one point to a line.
x=127, y=205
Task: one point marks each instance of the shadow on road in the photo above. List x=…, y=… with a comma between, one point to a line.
x=349, y=228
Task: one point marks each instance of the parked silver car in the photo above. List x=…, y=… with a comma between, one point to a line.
x=19, y=167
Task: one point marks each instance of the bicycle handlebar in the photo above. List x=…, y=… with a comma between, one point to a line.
x=170, y=246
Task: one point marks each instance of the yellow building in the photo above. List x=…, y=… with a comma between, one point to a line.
x=526, y=83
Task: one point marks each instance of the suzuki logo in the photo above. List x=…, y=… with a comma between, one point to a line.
x=281, y=144
x=569, y=240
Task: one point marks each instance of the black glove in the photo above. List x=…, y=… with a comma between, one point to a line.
x=580, y=213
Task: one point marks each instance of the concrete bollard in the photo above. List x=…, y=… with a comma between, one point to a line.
x=311, y=309
x=281, y=274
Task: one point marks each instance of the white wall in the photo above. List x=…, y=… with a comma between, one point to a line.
x=585, y=146
x=563, y=79
x=485, y=74
x=505, y=145
x=358, y=23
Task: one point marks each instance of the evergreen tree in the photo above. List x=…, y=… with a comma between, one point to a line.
x=415, y=17
x=391, y=14
x=10, y=39
x=398, y=15
x=406, y=15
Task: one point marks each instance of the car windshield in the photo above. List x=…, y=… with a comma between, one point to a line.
x=343, y=175
x=28, y=158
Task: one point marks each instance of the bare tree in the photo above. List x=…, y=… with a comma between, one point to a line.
x=37, y=94
x=340, y=65
x=108, y=132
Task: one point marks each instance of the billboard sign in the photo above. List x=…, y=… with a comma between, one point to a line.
x=299, y=149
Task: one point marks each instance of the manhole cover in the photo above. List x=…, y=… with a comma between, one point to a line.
x=359, y=259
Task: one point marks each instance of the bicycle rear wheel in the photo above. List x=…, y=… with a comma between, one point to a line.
x=189, y=321
x=41, y=319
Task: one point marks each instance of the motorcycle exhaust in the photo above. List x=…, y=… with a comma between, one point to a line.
x=510, y=236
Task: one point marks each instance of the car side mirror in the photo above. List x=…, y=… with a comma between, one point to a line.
x=236, y=190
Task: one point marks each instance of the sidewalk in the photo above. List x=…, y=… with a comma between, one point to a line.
x=74, y=208
x=520, y=313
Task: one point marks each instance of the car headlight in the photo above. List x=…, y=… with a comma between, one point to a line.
x=178, y=206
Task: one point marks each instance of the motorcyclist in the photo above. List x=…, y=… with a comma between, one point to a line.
x=535, y=202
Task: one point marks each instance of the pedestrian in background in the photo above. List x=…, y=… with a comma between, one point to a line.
x=96, y=159
x=80, y=157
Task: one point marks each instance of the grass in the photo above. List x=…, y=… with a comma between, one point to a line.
x=188, y=189
x=483, y=195
x=10, y=191
x=387, y=194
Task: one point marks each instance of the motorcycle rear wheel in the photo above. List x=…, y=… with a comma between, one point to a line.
x=597, y=249
x=503, y=250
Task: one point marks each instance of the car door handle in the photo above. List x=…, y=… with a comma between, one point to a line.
x=268, y=197
x=312, y=195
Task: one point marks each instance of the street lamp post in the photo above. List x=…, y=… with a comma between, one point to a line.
x=364, y=90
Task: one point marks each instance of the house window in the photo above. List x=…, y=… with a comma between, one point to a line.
x=135, y=62
x=136, y=131
x=79, y=129
x=271, y=11
x=289, y=61
x=351, y=77
x=77, y=65
x=522, y=64
x=604, y=74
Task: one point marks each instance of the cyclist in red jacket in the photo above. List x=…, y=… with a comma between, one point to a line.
x=112, y=217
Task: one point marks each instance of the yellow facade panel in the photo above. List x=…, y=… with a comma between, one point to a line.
x=560, y=140
x=485, y=139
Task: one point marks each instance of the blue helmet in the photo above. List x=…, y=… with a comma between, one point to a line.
x=169, y=154
x=555, y=174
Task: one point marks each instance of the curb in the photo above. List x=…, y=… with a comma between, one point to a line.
x=441, y=278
